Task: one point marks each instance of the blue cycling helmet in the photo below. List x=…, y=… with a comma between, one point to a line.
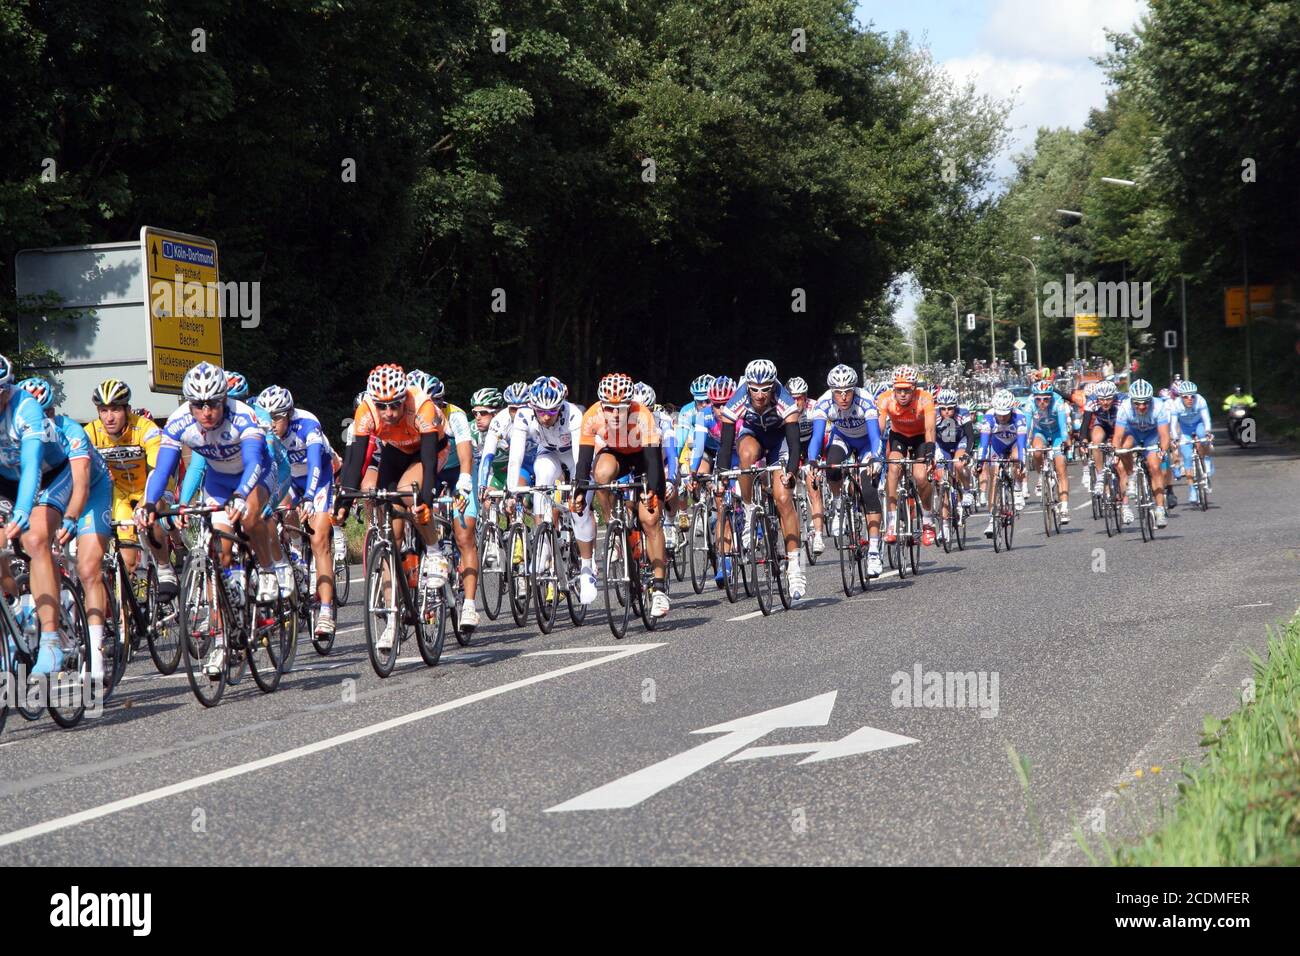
x=700, y=387
x=1043, y=389
x=545, y=397
x=1187, y=388
x=39, y=389
x=435, y=388
x=517, y=393
x=760, y=372
x=6, y=371
x=236, y=385
x=1141, y=391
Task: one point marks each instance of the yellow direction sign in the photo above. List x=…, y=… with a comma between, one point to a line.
x=1087, y=326
x=1261, y=304
x=182, y=294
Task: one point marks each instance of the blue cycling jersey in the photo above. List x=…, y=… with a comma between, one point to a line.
x=1053, y=422
x=739, y=409
x=860, y=420
x=29, y=448
x=235, y=448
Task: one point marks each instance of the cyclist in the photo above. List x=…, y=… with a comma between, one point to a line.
x=493, y=467
x=128, y=442
x=1099, y=425
x=1142, y=420
x=312, y=482
x=761, y=422
x=954, y=437
x=618, y=437
x=85, y=515
x=225, y=433
x=643, y=394
x=685, y=428
x=458, y=472
x=854, y=430
x=484, y=405
x=1049, y=427
x=909, y=414
x=236, y=386
x=1003, y=434
x=553, y=427
x=704, y=450
x=1189, y=420
x=798, y=390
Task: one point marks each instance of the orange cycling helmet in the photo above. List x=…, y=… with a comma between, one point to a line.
x=904, y=376
x=386, y=383
x=615, y=388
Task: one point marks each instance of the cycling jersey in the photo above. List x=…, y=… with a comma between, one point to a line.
x=130, y=455
x=1145, y=424
x=740, y=410
x=638, y=431
x=668, y=436
x=458, y=431
x=1194, y=421
x=420, y=416
x=234, y=452
x=558, y=440
x=686, y=419
x=907, y=420
x=1052, y=423
x=858, y=425
x=704, y=440
x=1000, y=436
x=31, y=455
x=497, y=439
x=953, y=434
x=96, y=513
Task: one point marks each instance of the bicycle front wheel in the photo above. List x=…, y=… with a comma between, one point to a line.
x=618, y=596
x=546, y=578
x=491, y=572
x=204, y=619
x=383, y=613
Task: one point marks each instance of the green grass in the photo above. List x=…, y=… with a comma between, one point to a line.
x=1241, y=807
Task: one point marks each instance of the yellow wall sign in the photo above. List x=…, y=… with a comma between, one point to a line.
x=1261, y=304
x=1087, y=326
x=183, y=296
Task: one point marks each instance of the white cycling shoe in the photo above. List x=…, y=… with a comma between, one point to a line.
x=874, y=566
x=1126, y=513
x=1161, y=517
x=1065, y=512
x=660, y=604
x=988, y=532
x=798, y=583
x=587, y=587
x=385, y=642
x=469, y=618
x=268, y=587
x=818, y=545
x=216, y=662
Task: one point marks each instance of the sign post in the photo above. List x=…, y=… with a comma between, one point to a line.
x=183, y=304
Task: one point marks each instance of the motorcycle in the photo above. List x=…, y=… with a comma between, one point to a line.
x=1236, y=418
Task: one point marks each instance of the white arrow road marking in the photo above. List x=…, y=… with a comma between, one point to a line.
x=861, y=741
x=635, y=787
x=149, y=796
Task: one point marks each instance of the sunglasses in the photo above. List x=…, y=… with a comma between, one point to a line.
x=390, y=406
x=760, y=389
x=546, y=412
x=843, y=391
x=611, y=409
x=209, y=403
x=281, y=416
x=484, y=411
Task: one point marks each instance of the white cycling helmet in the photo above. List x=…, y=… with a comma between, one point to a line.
x=842, y=376
x=204, y=382
x=1003, y=402
x=1140, y=390
x=796, y=387
x=946, y=398
x=275, y=400
x=644, y=395
x=1104, y=390
x=760, y=372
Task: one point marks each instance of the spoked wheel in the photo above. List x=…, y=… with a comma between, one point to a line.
x=997, y=511
x=732, y=562
x=678, y=556
x=165, y=629
x=383, y=614
x=847, y=545
x=760, y=562
x=71, y=686
x=268, y=643
x=491, y=572
x=571, y=561
x=546, y=576
x=115, y=645
x=618, y=588
x=697, y=543
x=1009, y=517
x=435, y=609
x=806, y=528
x=914, y=535
x=1048, y=505
x=204, y=616
x=515, y=559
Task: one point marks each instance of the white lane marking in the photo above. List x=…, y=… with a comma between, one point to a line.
x=184, y=786
x=745, y=617
x=585, y=650
x=1265, y=604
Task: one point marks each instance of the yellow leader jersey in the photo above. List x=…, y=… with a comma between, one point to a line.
x=130, y=455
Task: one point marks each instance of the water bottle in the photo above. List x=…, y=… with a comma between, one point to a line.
x=234, y=586
x=26, y=617
x=340, y=543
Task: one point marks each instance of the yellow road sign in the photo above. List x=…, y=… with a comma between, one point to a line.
x=1087, y=326
x=184, y=302
x=1261, y=304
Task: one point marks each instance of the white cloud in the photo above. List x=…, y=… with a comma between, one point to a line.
x=1060, y=30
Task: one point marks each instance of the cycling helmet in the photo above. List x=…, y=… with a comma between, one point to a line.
x=796, y=387
x=1104, y=390
x=236, y=385
x=111, y=391
x=39, y=389
x=386, y=383
x=486, y=398
x=204, y=382
x=1003, y=402
x=275, y=400
x=722, y=389
x=904, y=375
x=516, y=394
x=700, y=387
x=760, y=372
x=435, y=388
x=946, y=398
x=422, y=380
x=6, y=371
x=842, y=376
x=880, y=389
x=643, y=394
x=615, y=388
x=545, y=397
x=144, y=413
x=1089, y=390
x=1166, y=393
x=1043, y=389
x=1187, y=388
x=1140, y=390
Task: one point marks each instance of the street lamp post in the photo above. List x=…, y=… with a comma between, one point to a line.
x=993, y=323
x=956, y=324
x=1038, y=334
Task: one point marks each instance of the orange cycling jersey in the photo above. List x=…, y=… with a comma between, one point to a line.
x=420, y=417
x=906, y=420
x=638, y=432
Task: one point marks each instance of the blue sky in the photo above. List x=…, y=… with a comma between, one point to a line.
x=1036, y=53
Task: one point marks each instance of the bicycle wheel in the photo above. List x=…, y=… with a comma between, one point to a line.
x=571, y=561
x=948, y=495
x=997, y=509
x=1047, y=501
x=806, y=526
x=383, y=612
x=914, y=536
x=342, y=581
x=267, y=642
x=491, y=574
x=1202, y=481
x=697, y=544
x=1009, y=524
x=165, y=629
x=847, y=546
x=516, y=580
x=618, y=596
x=114, y=645
x=204, y=616
x=546, y=576
x=434, y=607
x=733, y=562
x=760, y=562
x=70, y=687
x=677, y=557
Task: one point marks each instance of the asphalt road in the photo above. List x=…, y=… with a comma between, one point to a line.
x=527, y=748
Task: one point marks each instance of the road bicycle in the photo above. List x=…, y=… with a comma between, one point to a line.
x=491, y=569
x=701, y=545
x=906, y=548
x=952, y=512
x=848, y=514
x=628, y=574
x=1002, y=505
x=135, y=606
x=1050, y=497
x=556, y=565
